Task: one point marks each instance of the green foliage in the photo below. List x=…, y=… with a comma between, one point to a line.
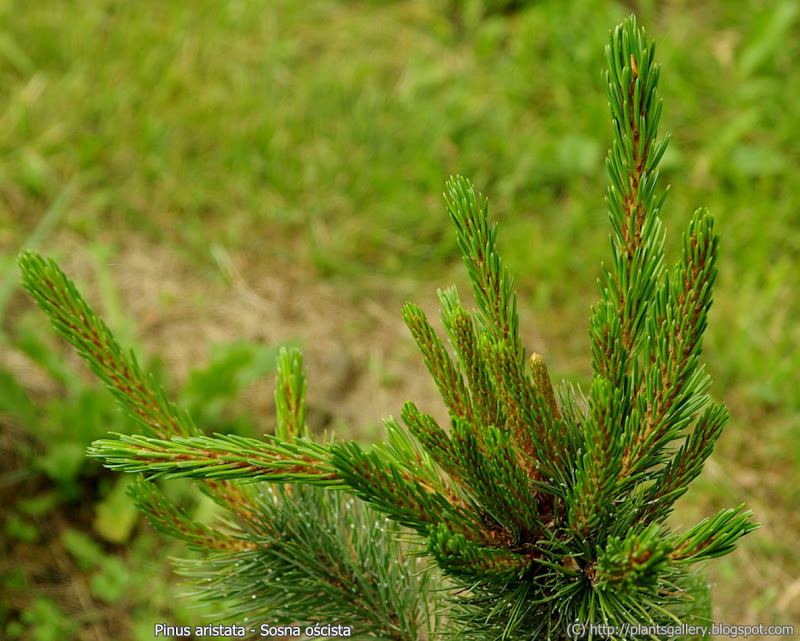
x=316, y=556
x=115, y=514
x=64, y=425
x=54, y=434
x=44, y=621
x=534, y=512
x=17, y=527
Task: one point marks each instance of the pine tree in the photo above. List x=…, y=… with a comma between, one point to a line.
x=534, y=510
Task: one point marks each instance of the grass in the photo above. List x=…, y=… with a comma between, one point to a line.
x=289, y=161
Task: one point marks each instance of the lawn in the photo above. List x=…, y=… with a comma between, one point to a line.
x=224, y=178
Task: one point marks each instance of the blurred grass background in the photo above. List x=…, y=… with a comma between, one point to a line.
x=223, y=177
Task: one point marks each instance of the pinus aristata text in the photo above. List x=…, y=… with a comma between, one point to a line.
x=535, y=513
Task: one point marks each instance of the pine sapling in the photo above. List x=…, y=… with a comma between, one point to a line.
x=534, y=512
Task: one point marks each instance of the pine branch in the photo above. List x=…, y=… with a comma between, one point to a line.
x=686, y=465
x=673, y=387
x=441, y=367
x=459, y=326
x=713, y=537
x=228, y=457
x=434, y=439
x=175, y=522
x=589, y=500
x=637, y=241
x=634, y=563
x=138, y=396
x=627, y=291
x=491, y=282
x=290, y=393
